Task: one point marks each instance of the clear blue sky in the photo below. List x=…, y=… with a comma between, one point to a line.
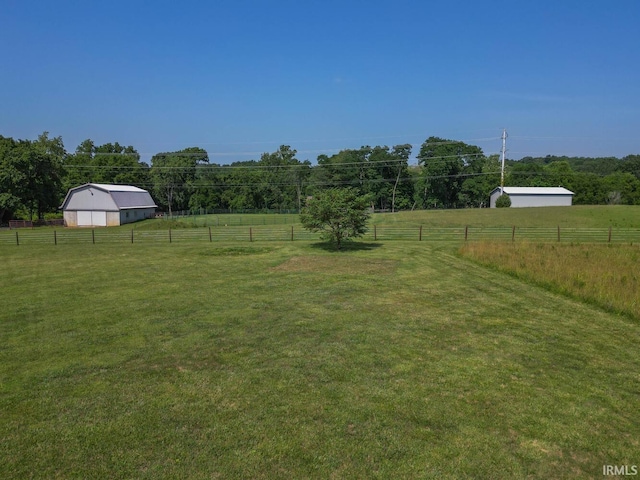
x=241, y=77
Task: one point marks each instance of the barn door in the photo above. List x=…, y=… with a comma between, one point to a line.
x=90, y=219
x=84, y=219
x=99, y=219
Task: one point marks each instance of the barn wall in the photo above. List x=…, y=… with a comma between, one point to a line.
x=492, y=200
x=531, y=200
x=113, y=219
x=70, y=219
x=540, y=200
x=135, y=214
x=90, y=198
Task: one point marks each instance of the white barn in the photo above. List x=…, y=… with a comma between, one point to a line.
x=534, y=196
x=99, y=205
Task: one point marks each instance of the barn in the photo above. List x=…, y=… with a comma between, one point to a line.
x=99, y=205
x=534, y=196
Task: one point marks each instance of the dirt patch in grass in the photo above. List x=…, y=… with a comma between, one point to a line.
x=235, y=251
x=338, y=265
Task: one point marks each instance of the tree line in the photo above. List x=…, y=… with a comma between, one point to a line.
x=36, y=174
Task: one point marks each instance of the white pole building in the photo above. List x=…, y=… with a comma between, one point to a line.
x=533, y=196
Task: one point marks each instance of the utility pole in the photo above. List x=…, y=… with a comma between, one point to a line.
x=504, y=150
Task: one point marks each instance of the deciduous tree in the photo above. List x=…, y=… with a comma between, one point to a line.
x=109, y=163
x=338, y=214
x=444, y=165
x=31, y=175
x=173, y=175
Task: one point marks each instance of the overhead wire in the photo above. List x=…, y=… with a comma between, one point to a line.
x=354, y=181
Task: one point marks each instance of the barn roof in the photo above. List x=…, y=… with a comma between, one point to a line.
x=115, y=188
x=535, y=191
x=124, y=196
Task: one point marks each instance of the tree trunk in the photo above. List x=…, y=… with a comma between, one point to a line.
x=299, y=192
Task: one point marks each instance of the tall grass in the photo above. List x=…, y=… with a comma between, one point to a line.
x=605, y=275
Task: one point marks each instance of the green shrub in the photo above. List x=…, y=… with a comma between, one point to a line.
x=503, y=201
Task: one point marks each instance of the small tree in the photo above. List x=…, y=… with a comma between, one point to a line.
x=338, y=214
x=503, y=201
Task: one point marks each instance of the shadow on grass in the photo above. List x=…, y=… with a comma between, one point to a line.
x=346, y=246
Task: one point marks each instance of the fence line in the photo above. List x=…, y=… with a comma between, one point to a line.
x=282, y=233
x=218, y=219
x=13, y=224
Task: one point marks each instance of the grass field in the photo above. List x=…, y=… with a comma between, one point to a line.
x=220, y=220
x=285, y=360
x=578, y=216
x=590, y=224
x=623, y=216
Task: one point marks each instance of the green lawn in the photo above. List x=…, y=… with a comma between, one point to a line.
x=285, y=360
x=219, y=220
x=577, y=216
x=590, y=224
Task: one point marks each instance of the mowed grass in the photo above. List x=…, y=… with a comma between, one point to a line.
x=577, y=216
x=285, y=360
x=218, y=220
x=605, y=275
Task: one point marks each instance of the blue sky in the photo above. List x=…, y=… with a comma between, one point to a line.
x=245, y=76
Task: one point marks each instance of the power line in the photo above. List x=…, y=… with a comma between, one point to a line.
x=279, y=166
x=353, y=181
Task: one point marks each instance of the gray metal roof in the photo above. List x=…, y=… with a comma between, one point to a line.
x=126, y=200
x=535, y=191
x=123, y=196
x=115, y=188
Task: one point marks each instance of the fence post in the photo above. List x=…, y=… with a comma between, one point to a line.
x=609, y=234
x=17, y=240
x=55, y=238
x=93, y=236
x=375, y=233
x=292, y=233
x=250, y=234
x=132, y=235
x=169, y=234
x=513, y=233
x=420, y=236
x=210, y=235
x=466, y=232
x=558, y=232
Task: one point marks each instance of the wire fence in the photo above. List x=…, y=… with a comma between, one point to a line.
x=233, y=219
x=282, y=233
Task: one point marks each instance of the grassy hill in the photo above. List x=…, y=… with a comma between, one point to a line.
x=621, y=216
x=576, y=216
